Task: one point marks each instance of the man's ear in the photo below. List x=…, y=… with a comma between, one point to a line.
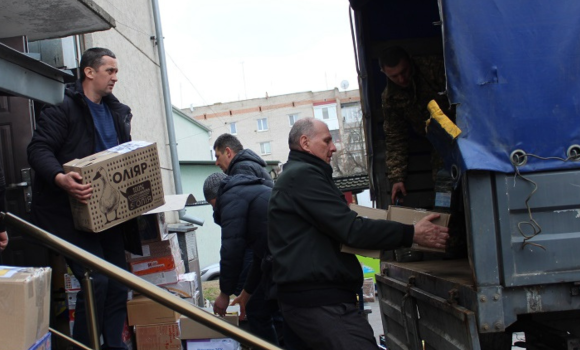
x=89, y=72
x=304, y=144
x=229, y=153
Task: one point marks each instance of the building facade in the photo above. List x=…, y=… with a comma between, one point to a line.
x=263, y=124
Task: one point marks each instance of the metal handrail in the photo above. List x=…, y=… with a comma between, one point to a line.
x=136, y=283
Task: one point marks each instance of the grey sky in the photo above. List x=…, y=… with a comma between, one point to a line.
x=226, y=50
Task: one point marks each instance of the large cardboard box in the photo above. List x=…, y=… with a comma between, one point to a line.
x=411, y=216
x=126, y=182
x=191, y=329
x=144, y=311
x=403, y=215
x=24, y=306
x=158, y=337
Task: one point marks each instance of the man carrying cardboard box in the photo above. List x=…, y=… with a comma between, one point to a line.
x=90, y=119
x=308, y=220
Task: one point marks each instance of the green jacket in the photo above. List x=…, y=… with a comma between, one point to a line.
x=309, y=219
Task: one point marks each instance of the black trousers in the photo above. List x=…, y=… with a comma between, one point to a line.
x=110, y=295
x=332, y=327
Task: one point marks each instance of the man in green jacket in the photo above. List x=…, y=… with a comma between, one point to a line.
x=308, y=220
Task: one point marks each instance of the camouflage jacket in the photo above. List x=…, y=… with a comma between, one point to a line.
x=406, y=108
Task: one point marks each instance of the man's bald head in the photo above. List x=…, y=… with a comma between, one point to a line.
x=312, y=136
x=301, y=127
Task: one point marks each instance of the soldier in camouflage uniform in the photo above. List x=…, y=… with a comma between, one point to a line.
x=411, y=84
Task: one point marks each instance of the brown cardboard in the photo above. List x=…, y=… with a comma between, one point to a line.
x=158, y=336
x=24, y=305
x=144, y=311
x=400, y=214
x=126, y=182
x=370, y=213
x=191, y=329
x=169, y=246
x=411, y=216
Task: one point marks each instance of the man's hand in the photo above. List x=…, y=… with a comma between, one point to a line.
x=3, y=240
x=242, y=299
x=398, y=187
x=427, y=234
x=71, y=183
x=221, y=304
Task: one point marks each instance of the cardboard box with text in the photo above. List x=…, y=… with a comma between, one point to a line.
x=126, y=182
x=25, y=305
x=158, y=336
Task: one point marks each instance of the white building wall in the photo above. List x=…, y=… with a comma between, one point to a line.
x=245, y=114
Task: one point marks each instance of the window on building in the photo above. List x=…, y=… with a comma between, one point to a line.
x=263, y=124
x=233, y=128
x=265, y=148
x=325, y=113
x=336, y=136
x=292, y=118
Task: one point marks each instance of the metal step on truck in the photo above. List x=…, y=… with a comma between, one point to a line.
x=512, y=71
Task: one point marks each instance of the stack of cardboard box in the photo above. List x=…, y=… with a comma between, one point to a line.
x=25, y=308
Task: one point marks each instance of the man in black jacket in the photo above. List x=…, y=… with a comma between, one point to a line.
x=90, y=119
x=232, y=158
x=240, y=205
x=308, y=220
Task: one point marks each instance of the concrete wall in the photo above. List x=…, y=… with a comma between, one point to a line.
x=192, y=138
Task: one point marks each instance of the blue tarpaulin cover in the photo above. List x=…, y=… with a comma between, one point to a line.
x=513, y=68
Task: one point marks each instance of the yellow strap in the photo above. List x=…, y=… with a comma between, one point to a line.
x=442, y=119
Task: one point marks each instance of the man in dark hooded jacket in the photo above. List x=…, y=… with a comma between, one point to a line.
x=233, y=159
x=240, y=207
x=90, y=119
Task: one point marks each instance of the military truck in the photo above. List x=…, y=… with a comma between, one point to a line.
x=513, y=73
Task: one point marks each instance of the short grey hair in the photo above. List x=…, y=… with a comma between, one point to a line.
x=301, y=127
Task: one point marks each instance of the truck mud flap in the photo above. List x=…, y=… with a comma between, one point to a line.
x=412, y=316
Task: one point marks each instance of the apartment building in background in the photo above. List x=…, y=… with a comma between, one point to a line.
x=263, y=124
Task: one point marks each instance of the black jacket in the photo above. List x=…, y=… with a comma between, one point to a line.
x=65, y=132
x=249, y=163
x=309, y=219
x=242, y=212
